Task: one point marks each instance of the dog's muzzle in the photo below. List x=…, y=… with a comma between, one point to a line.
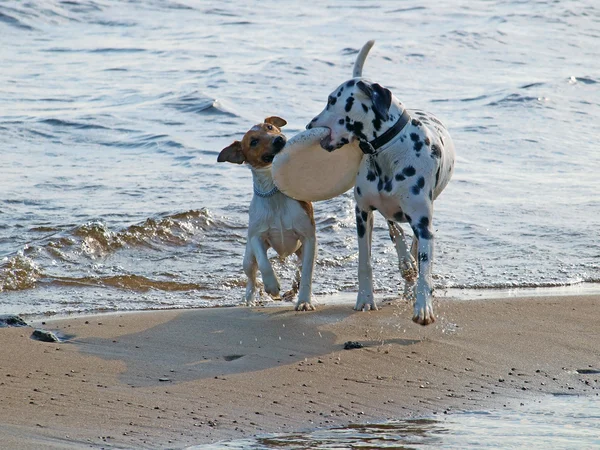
x=277, y=145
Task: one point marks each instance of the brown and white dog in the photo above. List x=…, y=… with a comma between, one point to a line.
x=276, y=220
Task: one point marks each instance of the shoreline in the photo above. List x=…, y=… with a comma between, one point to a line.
x=176, y=378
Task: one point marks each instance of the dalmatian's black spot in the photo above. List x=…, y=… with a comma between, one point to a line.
x=377, y=123
x=350, y=83
x=380, y=185
x=357, y=129
x=341, y=121
x=427, y=142
x=364, y=215
x=349, y=103
x=331, y=100
x=399, y=216
x=388, y=185
x=437, y=177
x=408, y=218
x=357, y=210
x=371, y=176
x=365, y=107
x=361, y=217
x=436, y=152
x=416, y=122
x=416, y=189
x=418, y=146
x=392, y=117
x=400, y=177
x=360, y=228
x=423, y=257
x=421, y=230
x=339, y=94
x=358, y=192
x=431, y=195
x=343, y=141
x=409, y=171
x=373, y=208
x=414, y=137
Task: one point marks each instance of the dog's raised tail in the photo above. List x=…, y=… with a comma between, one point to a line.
x=360, y=59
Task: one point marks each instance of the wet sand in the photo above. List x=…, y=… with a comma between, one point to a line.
x=171, y=379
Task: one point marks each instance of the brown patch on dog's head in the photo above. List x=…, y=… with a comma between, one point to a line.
x=259, y=145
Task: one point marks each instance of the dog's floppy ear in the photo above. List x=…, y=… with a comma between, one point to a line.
x=232, y=154
x=381, y=98
x=277, y=121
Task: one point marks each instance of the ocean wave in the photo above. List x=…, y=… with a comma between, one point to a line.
x=19, y=272
x=174, y=230
x=66, y=123
x=131, y=282
x=199, y=104
x=584, y=80
x=13, y=21
x=515, y=98
x=93, y=240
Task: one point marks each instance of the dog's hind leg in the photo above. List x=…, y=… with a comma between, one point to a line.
x=288, y=296
x=250, y=267
x=423, y=229
x=406, y=262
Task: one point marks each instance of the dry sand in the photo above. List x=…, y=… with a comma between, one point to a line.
x=176, y=378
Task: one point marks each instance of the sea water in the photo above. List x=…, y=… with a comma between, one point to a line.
x=112, y=113
x=557, y=423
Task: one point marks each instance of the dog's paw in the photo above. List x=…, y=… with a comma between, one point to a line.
x=304, y=306
x=423, y=315
x=365, y=305
x=272, y=287
x=409, y=271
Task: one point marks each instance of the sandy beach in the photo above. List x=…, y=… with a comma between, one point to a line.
x=171, y=379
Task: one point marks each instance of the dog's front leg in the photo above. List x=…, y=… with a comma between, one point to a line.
x=309, y=252
x=270, y=281
x=364, y=229
x=250, y=267
x=423, y=229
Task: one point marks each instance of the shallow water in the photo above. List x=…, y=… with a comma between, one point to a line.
x=560, y=422
x=112, y=113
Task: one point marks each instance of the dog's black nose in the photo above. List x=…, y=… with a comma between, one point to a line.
x=279, y=143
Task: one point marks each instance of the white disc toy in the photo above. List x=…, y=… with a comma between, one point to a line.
x=305, y=171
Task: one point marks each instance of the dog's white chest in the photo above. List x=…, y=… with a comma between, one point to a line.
x=280, y=221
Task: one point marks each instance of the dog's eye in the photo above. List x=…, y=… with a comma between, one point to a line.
x=269, y=127
x=253, y=142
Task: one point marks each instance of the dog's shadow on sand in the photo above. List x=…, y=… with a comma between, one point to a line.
x=214, y=342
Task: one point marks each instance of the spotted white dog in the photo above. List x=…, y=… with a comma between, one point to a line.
x=408, y=160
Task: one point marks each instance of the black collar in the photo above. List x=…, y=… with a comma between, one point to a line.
x=380, y=141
